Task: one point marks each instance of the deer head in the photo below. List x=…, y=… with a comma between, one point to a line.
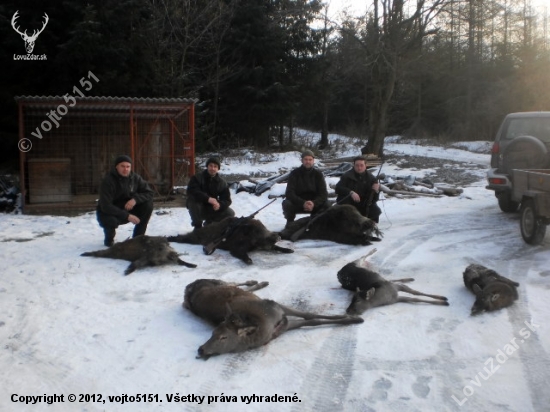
x=29, y=40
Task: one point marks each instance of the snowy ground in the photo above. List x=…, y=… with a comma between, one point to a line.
x=76, y=325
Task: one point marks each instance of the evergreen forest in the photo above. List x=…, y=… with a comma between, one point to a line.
x=444, y=69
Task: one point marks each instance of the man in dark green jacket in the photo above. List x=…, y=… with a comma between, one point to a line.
x=306, y=190
x=208, y=197
x=124, y=197
x=358, y=187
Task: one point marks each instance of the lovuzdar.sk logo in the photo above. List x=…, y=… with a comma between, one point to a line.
x=29, y=40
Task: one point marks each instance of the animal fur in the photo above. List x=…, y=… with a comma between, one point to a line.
x=242, y=319
x=340, y=224
x=248, y=236
x=142, y=251
x=372, y=290
x=493, y=291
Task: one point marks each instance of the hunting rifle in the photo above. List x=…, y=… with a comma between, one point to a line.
x=228, y=232
x=296, y=235
x=371, y=195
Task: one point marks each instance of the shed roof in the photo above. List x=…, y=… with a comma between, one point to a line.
x=103, y=105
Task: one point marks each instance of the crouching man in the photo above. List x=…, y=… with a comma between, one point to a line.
x=359, y=188
x=306, y=190
x=208, y=196
x=124, y=197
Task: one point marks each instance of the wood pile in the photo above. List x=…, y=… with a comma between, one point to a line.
x=9, y=194
x=402, y=187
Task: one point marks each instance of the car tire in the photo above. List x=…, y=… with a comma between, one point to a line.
x=525, y=152
x=506, y=204
x=532, y=229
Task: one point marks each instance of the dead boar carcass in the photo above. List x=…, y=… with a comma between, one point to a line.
x=492, y=290
x=244, y=320
x=340, y=223
x=237, y=235
x=142, y=251
x=372, y=290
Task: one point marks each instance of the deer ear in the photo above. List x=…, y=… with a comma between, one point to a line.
x=249, y=330
x=370, y=293
x=495, y=297
x=476, y=289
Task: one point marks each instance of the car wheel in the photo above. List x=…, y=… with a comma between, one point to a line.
x=525, y=152
x=532, y=229
x=506, y=204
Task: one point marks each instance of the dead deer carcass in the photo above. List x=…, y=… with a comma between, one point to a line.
x=492, y=290
x=142, y=251
x=244, y=320
x=372, y=290
x=340, y=224
x=246, y=234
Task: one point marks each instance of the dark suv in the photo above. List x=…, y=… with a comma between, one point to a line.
x=522, y=142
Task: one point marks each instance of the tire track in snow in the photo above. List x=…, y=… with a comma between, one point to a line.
x=326, y=383
x=512, y=262
x=325, y=386
x=536, y=366
x=444, y=363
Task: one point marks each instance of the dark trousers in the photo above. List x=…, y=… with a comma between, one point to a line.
x=290, y=209
x=374, y=212
x=201, y=212
x=109, y=222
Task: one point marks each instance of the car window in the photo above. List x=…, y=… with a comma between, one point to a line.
x=538, y=127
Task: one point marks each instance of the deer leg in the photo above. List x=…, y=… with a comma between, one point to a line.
x=252, y=285
x=136, y=264
x=186, y=264
x=247, y=283
x=257, y=286
x=506, y=280
x=402, y=280
x=341, y=320
x=308, y=315
x=241, y=253
x=282, y=249
x=403, y=288
x=416, y=300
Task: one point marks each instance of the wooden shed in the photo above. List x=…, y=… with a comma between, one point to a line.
x=68, y=144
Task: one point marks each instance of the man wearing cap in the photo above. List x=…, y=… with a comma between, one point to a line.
x=124, y=196
x=208, y=196
x=306, y=190
x=358, y=187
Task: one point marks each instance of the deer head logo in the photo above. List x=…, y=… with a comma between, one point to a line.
x=29, y=40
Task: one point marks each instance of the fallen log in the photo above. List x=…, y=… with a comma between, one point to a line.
x=392, y=192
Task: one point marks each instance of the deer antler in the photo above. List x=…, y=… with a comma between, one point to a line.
x=36, y=33
x=15, y=16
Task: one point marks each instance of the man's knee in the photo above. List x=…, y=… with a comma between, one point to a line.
x=196, y=211
x=229, y=212
x=214, y=216
x=108, y=221
x=289, y=210
x=322, y=207
x=143, y=211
